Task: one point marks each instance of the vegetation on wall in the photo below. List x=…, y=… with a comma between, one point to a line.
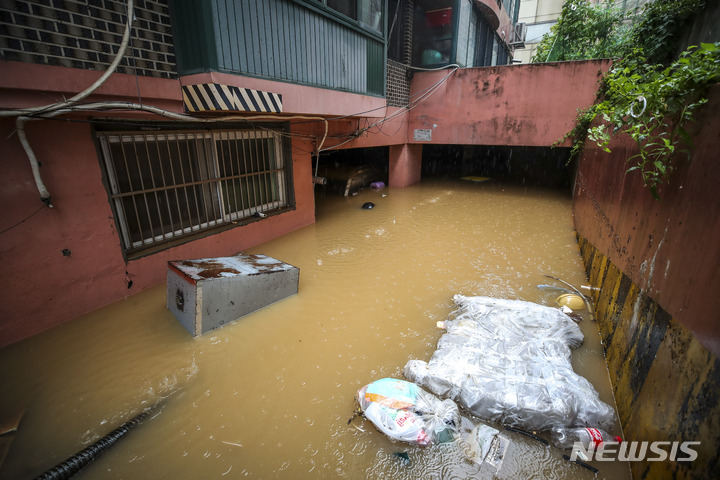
x=584, y=30
x=645, y=95
x=654, y=105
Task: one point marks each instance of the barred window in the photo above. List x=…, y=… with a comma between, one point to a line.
x=168, y=186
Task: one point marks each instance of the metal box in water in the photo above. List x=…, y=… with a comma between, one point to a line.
x=208, y=293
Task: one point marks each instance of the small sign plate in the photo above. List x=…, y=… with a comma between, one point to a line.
x=422, y=135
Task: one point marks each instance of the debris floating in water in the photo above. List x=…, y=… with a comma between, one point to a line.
x=368, y=205
x=587, y=303
x=554, y=287
x=575, y=302
x=231, y=443
x=476, y=179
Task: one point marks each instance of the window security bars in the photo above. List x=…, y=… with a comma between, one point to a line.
x=167, y=186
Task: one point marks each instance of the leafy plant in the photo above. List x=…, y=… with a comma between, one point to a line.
x=662, y=24
x=584, y=30
x=645, y=95
x=653, y=105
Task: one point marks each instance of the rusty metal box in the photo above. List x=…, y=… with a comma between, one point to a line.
x=208, y=293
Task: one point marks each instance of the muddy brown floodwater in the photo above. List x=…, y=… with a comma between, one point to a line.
x=270, y=396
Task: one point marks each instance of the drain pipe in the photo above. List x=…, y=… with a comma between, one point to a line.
x=34, y=165
x=408, y=20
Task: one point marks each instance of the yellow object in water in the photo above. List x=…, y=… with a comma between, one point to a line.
x=571, y=300
x=476, y=179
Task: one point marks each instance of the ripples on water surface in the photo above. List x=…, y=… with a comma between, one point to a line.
x=270, y=396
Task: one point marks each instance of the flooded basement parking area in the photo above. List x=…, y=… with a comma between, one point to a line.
x=270, y=395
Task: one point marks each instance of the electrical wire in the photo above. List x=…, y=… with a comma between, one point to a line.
x=425, y=94
x=71, y=105
x=24, y=219
x=429, y=91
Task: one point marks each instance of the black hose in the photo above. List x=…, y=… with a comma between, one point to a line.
x=527, y=434
x=582, y=464
x=77, y=462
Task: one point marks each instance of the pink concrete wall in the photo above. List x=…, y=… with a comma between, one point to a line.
x=670, y=247
x=524, y=105
x=44, y=288
x=405, y=165
x=24, y=85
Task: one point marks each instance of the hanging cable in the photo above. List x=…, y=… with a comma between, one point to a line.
x=424, y=95
x=71, y=105
x=23, y=220
x=24, y=115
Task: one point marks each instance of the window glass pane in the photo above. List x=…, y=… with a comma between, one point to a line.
x=346, y=7
x=396, y=26
x=493, y=62
x=433, y=36
x=472, y=39
x=370, y=13
x=463, y=33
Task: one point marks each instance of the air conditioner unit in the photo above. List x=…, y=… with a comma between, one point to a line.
x=520, y=34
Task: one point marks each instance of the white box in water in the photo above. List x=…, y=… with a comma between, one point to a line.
x=208, y=293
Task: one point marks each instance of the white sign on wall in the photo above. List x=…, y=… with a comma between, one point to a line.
x=422, y=135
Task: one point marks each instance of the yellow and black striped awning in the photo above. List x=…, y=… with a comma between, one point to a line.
x=207, y=97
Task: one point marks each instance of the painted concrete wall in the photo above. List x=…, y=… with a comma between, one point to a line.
x=671, y=247
x=656, y=265
x=43, y=287
x=666, y=384
x=405, y=163
x=522, y=105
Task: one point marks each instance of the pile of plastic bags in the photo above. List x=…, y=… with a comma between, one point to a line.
x=508, y=361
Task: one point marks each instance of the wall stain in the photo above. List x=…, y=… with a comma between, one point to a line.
x=666, y=383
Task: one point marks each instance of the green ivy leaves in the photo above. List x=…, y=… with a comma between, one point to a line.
x=584, y=30
x=653, y=106
x=646, y=95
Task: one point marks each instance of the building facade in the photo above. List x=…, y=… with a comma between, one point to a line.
x=144, y=131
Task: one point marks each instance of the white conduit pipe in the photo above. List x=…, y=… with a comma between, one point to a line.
x=22, y=118
x=129, y=106
x=34, y=165
x=67, y=106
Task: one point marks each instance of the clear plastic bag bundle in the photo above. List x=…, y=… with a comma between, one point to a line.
x=508, y=361
x=403, y=411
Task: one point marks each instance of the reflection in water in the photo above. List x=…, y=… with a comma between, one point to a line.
x=270, y=395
